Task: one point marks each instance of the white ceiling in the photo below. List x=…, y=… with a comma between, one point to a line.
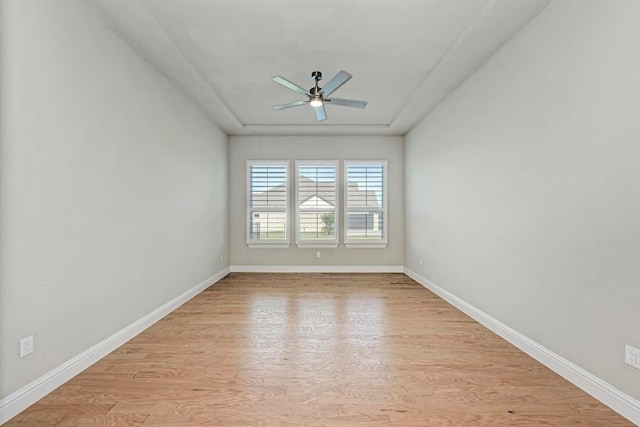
x=405, y=55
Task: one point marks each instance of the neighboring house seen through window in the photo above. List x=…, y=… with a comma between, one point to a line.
x=267, y=204
x=317, y=203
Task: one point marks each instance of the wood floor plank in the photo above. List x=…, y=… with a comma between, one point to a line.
x=317, y=350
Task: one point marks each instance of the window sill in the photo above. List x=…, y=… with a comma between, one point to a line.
x=268, y=245
x=365, y=245
x=332, y=245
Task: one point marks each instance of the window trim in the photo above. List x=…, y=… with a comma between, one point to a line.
x=367, y=243
x=318, y=244
x=268, y=243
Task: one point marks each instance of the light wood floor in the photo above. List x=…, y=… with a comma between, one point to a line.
x=317, y=349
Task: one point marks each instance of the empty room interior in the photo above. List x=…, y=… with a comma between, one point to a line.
x=304, y=213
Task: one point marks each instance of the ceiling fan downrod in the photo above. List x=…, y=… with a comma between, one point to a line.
x=316, y=97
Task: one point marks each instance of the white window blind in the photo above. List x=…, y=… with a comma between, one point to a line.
x=317, y=203
x=267, y=203
x=365, y=203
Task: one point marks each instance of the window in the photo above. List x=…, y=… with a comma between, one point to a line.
x=267, y=204
x=365, y=204
x=317, y=204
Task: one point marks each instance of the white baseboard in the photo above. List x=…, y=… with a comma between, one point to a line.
x=18, y=401
x=317, y=269
x=620, y=402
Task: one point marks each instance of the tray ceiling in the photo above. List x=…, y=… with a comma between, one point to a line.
x=405, y=56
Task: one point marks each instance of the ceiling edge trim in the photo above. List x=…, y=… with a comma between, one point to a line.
x=468, y=29
x=195, y=68
x=317, y=130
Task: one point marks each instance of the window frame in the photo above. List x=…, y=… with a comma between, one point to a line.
x=268, y=243
x=317, y=243
x=367, y=243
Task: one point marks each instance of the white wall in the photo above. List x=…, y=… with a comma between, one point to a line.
x=523, y=187
x=243, y=148
x=113, y=187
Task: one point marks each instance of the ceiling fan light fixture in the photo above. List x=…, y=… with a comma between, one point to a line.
x=316, y=102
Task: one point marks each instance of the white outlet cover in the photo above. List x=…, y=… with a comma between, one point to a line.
x=632, y=356
x=26, y=346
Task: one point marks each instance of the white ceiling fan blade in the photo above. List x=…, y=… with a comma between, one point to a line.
x=320, y=113
x=294, y=87
x=347, y=102
x=333, y=84
x=290, y=104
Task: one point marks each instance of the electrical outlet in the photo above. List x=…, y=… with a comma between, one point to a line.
x=26, y=346
x=318, y=254
x=221, y=257
x=420, y=262
x=632, y=356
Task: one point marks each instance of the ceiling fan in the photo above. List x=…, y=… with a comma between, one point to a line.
x=317, y=96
